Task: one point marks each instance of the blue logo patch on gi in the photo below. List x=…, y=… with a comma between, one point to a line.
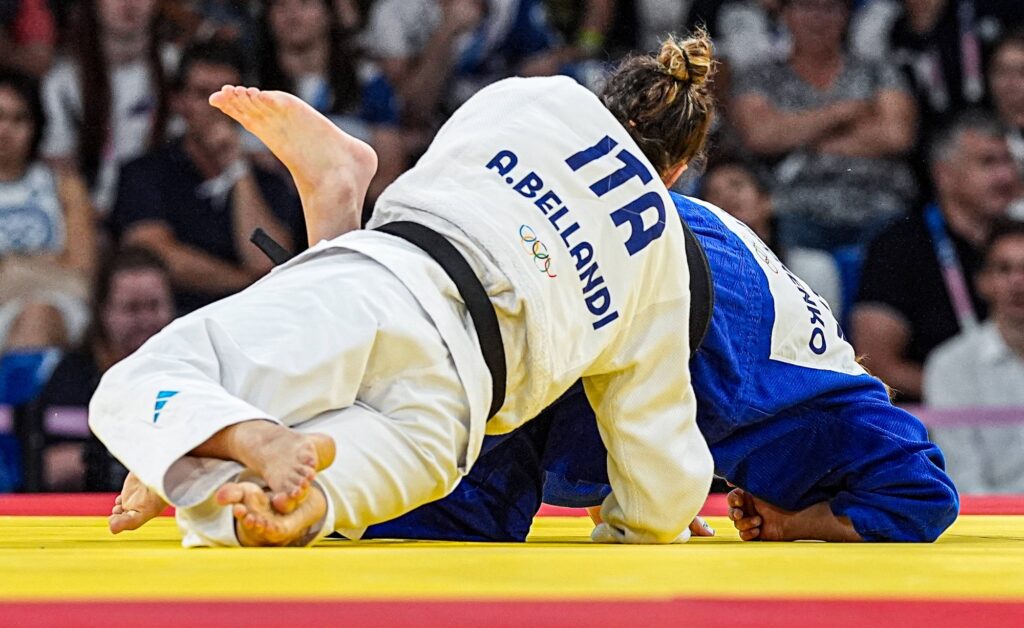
x=161, y=400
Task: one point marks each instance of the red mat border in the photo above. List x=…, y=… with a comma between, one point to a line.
x=98, y=504
x=763, y=613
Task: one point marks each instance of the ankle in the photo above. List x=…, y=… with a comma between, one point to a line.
x=818, y=522
x=244, y=440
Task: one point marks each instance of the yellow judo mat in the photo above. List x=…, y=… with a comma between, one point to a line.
x=979, y=562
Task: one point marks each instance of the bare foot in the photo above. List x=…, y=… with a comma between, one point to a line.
x=286, y=459
x=258, y=524
x=332, y=170
x=136, y=505
x=756, y=519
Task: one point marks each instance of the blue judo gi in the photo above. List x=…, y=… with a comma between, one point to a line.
x=786, y=415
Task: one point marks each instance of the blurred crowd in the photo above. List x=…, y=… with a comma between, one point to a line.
x=876, y=145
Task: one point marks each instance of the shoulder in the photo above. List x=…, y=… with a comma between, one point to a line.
x=761, y=73
x=871, y=27
x=41, y=175
x=883, y=74
x=539, y=85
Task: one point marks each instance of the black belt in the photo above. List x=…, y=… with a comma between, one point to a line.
x=478, y=304
x=702, y=289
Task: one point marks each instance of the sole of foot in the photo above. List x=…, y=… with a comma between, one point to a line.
x=312, y=147
x=134, y=506
x=287, y=461
x=258, y=524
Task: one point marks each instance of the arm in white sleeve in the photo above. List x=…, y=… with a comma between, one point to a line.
x=659, y=465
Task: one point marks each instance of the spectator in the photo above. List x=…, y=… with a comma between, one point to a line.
x=132, y=302
x=940, y=45
x=835, y=128
x=734, y=186
x=917, y=287
x=105, y=105
x=654, y=18
x=28, y=36
x=437, y=53
x=196, y=201
x=47, y=245
x=749, y=32
x=308, y=53
x=984, y=366
x=231, y=21
x=1006, y=77
x=594, y=27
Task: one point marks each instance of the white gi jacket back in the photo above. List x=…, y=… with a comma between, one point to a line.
x=576, y=240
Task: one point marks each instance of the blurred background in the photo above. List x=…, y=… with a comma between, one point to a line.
x=875, y=145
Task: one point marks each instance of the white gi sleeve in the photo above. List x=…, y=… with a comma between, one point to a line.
x=659, y=465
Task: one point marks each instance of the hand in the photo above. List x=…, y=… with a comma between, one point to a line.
x=461, y=15
x=699, y=527
x=603, y=533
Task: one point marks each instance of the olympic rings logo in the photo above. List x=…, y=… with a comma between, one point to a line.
x=536, y=248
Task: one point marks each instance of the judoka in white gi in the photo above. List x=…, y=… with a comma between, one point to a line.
x=348, y=386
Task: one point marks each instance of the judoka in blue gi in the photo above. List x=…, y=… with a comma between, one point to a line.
x=810, y=439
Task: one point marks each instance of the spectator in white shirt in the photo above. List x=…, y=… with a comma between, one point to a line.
x=983, y=367
x=105, y=102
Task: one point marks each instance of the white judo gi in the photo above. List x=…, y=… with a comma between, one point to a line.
x=365, y=338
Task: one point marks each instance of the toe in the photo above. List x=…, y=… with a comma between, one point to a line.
x=128, y=520
x=750, y=535
x=230, y=493
x=283, y=504
x=748, y=524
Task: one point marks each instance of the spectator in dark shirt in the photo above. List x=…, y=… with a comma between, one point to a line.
x=918, y=286
x=133, y=301
x=196, y=201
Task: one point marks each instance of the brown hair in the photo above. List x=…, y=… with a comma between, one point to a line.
x=664, y=101
x=127, y=259
x=1002, y=228
x=96, y=123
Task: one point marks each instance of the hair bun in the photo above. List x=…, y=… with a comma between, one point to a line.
x=687, y=60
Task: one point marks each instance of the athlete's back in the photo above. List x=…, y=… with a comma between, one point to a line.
x=569, y=226
x=773, y=343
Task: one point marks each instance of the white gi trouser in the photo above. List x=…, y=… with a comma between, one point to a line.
x=331, y=342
